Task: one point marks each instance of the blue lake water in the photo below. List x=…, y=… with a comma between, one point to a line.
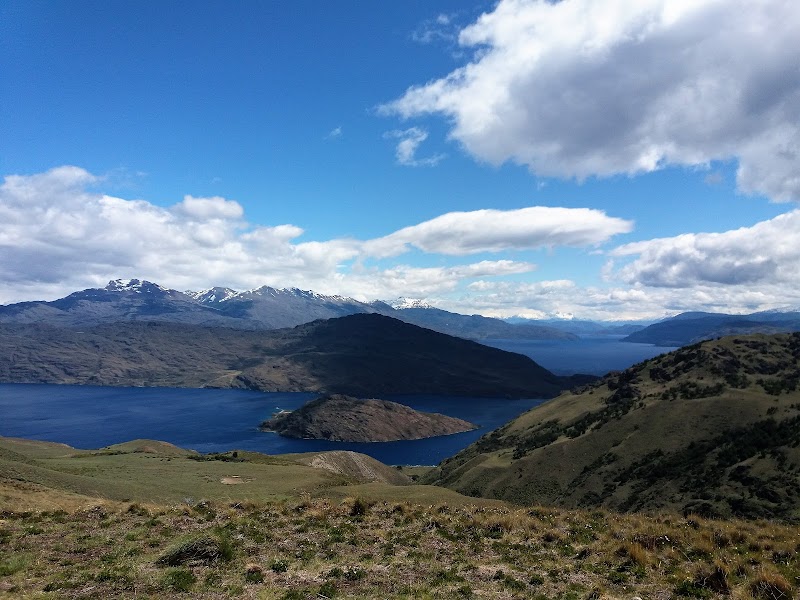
x=220, y=420
x=594, y=355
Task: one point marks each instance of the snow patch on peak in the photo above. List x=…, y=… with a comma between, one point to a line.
x=315, y=296
x=134, y=285
x=403, y=302
x=213, y=295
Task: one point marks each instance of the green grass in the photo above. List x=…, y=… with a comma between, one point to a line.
x=153, y=472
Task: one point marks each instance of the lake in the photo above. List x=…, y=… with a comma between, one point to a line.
x=209, y=420
x=219, y=420
x=594, y=355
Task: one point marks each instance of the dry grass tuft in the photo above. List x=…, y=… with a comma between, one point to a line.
x=769, y=585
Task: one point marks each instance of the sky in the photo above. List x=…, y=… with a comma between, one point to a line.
x=598, y=159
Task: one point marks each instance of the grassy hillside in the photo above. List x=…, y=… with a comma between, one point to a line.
x=148, y=520
x=151, y=471
x=712, y=428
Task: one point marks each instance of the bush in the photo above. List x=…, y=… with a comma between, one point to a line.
x=328, y=590
x=200, y=550
x=359, y=508
x=178, y=580
x=279, y=566
x=253, y=574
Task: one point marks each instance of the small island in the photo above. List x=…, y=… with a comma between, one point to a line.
x=343, y=418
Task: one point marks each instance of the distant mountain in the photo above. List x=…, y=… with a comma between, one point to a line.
x=259, y=309
x=366, y=355
x=271, y=308
x=713, y=428
x=120, y=300
x=343, y=418
x=691, y=327
x=477, y=327
x=584, y=327
x=403, y=302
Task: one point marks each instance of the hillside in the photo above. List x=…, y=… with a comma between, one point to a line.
x=711, y=428
x=692, y=327
x=362, y=355
x=146, y=519
x=346, y=419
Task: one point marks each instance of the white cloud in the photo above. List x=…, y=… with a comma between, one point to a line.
x=405, y=280
x=461, y=233
x=204, y=209
x=596, y=87
x=406, y=150
x=58, y=236
x=766, y=253
x=334, y=133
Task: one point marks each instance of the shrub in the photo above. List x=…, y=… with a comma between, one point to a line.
x=279, y=566
x=178, y=580
x=253, y=573
x=691, y=589
x=359, y=508
x=200, y=550
x=328, y=590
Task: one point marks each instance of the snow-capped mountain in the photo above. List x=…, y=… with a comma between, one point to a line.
x=402, y=303
x=213, y=295
x=134, y=285
x=260, y=308
x=119, y=300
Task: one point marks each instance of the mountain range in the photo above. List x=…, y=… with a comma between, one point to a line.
x=267, y=308
x=263, y=308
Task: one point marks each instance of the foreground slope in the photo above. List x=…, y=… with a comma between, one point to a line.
x=711, y=428
x=360, y=355
x=147, y=519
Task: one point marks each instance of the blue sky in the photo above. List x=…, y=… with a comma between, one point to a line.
x=608, y=160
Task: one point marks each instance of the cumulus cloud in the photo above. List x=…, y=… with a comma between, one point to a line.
x=768, y=252
x=57, y=235
x=406, y=150
x=461, y=233
x=580, y=88
x=205, y=209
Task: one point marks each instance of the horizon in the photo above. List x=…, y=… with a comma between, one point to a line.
x=398, y=303
x=580, y=159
